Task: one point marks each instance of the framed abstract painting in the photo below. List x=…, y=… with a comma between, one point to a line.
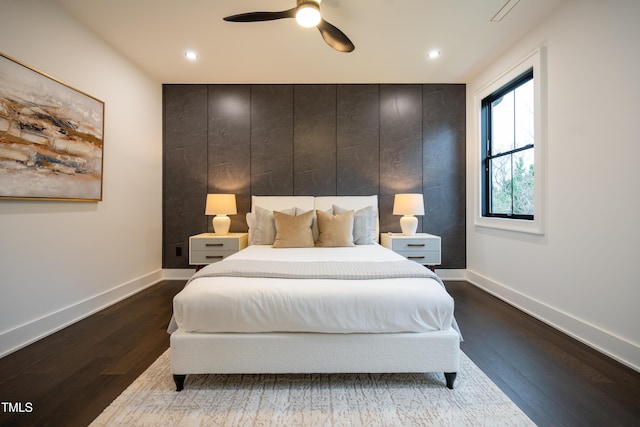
x=51, y=137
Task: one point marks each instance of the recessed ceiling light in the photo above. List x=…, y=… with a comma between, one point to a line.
x=433, y=54
x=191, y=55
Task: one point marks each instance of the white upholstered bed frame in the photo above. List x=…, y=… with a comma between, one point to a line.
x=246, y=353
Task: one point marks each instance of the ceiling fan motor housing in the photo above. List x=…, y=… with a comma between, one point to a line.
x=310, y=3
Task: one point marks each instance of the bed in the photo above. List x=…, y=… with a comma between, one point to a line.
x=285, y=305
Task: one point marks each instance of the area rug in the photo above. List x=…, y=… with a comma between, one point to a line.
x=312, y=400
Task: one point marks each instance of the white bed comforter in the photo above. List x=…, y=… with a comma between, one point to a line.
x=237, y=304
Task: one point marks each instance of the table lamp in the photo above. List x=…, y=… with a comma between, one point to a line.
x=221, y=205
x=408, y=205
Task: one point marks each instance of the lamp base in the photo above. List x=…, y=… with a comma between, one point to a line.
x=409, y=225
x=221, y=224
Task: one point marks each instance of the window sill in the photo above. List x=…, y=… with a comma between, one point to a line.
x=517, y=225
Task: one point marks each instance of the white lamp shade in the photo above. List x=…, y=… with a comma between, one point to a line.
x=221, y=204
x=408, y=204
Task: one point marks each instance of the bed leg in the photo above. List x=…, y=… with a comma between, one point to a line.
x=179, y=380
x=450, y=377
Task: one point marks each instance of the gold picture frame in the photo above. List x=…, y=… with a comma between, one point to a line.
x=51, y=137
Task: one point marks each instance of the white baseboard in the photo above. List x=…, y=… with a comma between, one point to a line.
x=453, y=274
x=177, y=273
x=21, y=336
x=605, y=342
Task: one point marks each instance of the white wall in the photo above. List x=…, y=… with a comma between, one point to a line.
x=581, y=275
x=60, y=261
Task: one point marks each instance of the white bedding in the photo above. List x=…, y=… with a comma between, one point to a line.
x=250, y=305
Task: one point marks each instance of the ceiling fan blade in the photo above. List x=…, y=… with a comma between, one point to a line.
x=334, y=37
x=261, y=16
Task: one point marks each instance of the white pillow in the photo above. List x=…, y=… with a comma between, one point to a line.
x=364, y=224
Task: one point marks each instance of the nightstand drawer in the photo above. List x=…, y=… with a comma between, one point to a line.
x=415, y=244
x=215, y=243
x=422, y=257
x=207, y=257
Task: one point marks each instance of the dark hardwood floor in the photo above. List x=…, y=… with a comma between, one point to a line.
x=554, y=379
x=72, y=375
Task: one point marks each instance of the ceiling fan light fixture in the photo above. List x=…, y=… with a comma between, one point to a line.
x=330, y=34
x=308, y=13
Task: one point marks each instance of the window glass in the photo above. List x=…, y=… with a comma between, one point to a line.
x=524, y=114
x=523, y=183
x=501, y=185
x=502, y=125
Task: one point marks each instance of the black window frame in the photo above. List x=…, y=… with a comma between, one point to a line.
x=487, y=154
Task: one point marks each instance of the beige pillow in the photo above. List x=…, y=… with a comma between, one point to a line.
x=263, y=232
x=335, y=230
x=293, y=231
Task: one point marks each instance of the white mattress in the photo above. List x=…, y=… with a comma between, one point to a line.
x=255, y=305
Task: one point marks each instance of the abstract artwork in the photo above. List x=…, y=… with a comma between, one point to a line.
x=51, y=137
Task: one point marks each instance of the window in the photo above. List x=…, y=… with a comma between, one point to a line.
x=508, y=189
x=510, y=130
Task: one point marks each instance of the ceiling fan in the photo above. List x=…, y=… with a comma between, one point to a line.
x=307, y=13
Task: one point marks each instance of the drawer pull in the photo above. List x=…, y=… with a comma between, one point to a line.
x=214, y=257
x=217, y=245
x=419, y=245
x=415, y=257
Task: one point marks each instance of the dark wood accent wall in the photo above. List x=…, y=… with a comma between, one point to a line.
x=315, y=139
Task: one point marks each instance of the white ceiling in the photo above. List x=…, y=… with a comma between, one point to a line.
x=391, y=37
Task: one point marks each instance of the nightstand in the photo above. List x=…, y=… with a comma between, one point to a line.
x=207, y=248
x=422, y=248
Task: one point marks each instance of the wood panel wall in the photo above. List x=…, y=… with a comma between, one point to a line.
x=325, y=139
